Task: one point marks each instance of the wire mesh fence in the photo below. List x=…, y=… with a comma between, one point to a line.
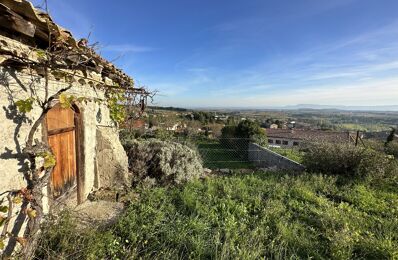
x=221, y=153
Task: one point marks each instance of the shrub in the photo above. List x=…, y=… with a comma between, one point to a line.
x=228, y=131
x=344, y=159
x=163, y=162
x=238, y=137
x=126, y=135
x=164, y=134
x=248, y=129
x=245, y=129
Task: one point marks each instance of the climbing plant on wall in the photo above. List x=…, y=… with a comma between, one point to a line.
x=65, y=64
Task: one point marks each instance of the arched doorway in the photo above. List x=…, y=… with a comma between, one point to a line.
x=62, y=126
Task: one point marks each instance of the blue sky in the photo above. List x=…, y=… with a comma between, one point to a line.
x=247, y=53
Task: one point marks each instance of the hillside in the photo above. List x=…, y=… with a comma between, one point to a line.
x=259, y=215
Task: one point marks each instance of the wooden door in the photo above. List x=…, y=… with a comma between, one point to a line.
x=61, y=130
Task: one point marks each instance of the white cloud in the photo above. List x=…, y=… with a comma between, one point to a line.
x=383, y=92
x=374, y=93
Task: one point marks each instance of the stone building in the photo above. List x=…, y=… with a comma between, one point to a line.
x=83, y=137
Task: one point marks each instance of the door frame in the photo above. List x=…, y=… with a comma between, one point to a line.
x=80, y=158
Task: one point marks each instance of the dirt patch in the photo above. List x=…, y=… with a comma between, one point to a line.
x=98, y=213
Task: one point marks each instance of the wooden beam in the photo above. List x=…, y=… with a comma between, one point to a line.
x=61, y=130
x=13, y=21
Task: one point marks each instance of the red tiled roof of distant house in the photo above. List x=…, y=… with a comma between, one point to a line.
x=308, y=135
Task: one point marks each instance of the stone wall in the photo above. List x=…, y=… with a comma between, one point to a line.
x=15, y=127
x=104, y=156
x=266, y=158
x=111, y=160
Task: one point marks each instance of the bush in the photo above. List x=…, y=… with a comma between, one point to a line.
x=164, y=134
x=126, y=135
x=344, y=159
x=245, y=129
x=238, y=137
x=248, y=129
x=162, y=162
x=228, y=131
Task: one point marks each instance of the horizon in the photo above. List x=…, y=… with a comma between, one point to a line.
x=315, y=107
x=257, y=54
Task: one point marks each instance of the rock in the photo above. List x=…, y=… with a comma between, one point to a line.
x=207, y=170
x=111, y=159
x=268, y=169
x=95, y=213
x=225, y=170
x=246, y=171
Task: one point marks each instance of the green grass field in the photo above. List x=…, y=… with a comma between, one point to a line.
x=291, y=153
x=217, y=156
x=256, y=216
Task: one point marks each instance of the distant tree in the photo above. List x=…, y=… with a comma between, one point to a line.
x=216, y=129
x=228, y=131
x=391, y=146
x=163, y=134
x=280, y=123
x=231, y=121
x=203, y=117
x=392, y=149
x=248, y=129
x=152, y=121
x=391, y=136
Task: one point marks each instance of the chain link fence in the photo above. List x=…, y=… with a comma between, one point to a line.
x=219, y=153
x=236, y=153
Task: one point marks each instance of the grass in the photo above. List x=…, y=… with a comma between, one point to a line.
x=261, y=215
x=291, y=153
x=217, y=156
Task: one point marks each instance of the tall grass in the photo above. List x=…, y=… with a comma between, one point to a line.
x=271, y=215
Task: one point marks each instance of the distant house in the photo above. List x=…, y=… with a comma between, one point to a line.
x=177, y=127
x=295, y=137
x=273, y=126
x=291, y=124
x=138, y=124
x=221, y=117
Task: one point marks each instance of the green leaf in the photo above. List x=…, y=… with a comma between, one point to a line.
x=41, y=54
x=49, y=159
x=117, y=110
x=3, y=209
x=64, y=100
x=17, y=200
x=2, y=245
x=2, y=220
x=32, y=213
x=24, y=105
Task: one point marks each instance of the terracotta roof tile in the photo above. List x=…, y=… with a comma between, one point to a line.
x=39, y=27
x=303, y=134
